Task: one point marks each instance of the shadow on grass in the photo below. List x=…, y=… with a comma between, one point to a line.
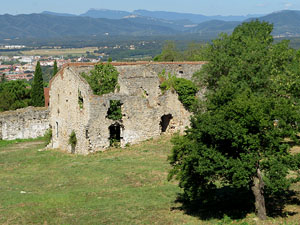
x=235, y=203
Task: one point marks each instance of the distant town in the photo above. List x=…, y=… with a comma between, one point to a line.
x=16, y=61
x=22, y=67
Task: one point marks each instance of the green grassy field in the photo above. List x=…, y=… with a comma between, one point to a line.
x=119, y=186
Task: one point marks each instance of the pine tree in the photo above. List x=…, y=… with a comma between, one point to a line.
x=37, y=94
x=55, y=69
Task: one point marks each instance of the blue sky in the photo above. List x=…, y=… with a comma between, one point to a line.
x=206, y=7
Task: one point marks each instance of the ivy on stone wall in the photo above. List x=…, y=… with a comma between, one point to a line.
x=185, y=89
x=103, y=79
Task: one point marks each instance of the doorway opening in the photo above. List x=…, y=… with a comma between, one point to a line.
x=165, y=121
x=115, y=135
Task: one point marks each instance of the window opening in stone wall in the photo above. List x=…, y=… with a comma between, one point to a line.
x=80, y=100
x=165, y=121
x=56, y=129
x=115, y=135
x=87, y=134
x=115, y=112
x=181, y=72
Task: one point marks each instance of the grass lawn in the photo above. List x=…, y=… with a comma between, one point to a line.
x=119, y=186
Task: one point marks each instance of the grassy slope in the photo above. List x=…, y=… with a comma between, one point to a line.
x=127, y=186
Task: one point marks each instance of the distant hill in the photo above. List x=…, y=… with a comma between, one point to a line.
x=214, y=27
x=50, y=26
x=196, y=18
x=286, y=22
x=106, y=13
x=60, y=25
x=57, y=14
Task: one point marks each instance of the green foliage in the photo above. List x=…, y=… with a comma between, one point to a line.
x=73, y=139
x=47, y=72
x=55, y=69
x=185, y=89
x=193, y=52
x=37, y=93
x=48, y=136
x=252, y=106
x=103, y=79
x=167, y=81
x=114, y=143
x=169, y=53
x=114, y=112
x=2, y=78
x=14, y=95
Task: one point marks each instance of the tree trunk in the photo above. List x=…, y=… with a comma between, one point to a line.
x=258, y=191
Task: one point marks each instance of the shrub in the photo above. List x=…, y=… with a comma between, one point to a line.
x=114, y=112
x=103, y=79
x=48, y=136
x=73, y=139
x=114, y=143
x=185, y=89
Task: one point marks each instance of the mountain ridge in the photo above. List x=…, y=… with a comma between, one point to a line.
x=61, y=25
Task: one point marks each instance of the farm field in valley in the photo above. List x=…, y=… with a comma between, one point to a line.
x=63, y=51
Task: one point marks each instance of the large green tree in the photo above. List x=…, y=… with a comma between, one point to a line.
x=241, y=136
x=37, y=93
x=14, y=95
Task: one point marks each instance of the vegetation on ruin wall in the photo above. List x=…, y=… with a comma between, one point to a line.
x=48, y=136
x=240, y=139
x=73, y=139
x=103, y=79
x=185, y=89
x=114, y=111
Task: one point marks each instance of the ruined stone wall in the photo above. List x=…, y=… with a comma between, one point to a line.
x=143, y=106
x=65, y=112
x=24, y=123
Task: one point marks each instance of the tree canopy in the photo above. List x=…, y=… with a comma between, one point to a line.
x=55, y=69
x=14, y=95
x=193, y=52
x=103, y=79
x=241, y=136
x=37, y=93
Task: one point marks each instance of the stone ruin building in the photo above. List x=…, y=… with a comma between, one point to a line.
x=146, y=111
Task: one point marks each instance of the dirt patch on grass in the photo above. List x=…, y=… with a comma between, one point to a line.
x=22, y=146
x=295, y=150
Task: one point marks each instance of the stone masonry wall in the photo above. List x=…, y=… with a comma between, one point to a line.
x=24, y=123
x=143, y=105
